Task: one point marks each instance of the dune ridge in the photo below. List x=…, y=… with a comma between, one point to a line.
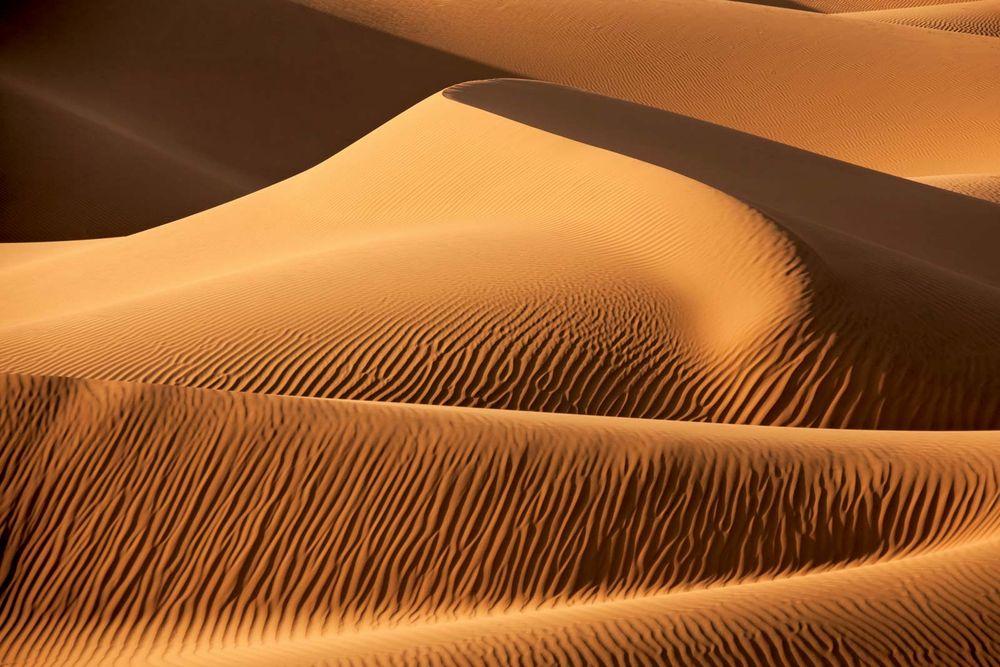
x=842, y=7
x=307, y=517
x=119, y=116
x=981, y=186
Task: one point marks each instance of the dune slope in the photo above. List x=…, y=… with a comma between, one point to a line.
x=544, y=273
x=981, y=186
x=97, y=102
x=325, y=340
x=904, y=101
x=295, y=524
x=120, y=115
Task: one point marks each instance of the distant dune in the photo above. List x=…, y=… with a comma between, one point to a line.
x=981, y=17
x=327, y=340
x=905, y=101
x=139, y=113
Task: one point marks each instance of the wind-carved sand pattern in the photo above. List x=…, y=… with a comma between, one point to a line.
x=321, y=530
x=686, y=353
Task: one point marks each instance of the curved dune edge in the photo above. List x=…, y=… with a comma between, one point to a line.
x=239, y=520
x=119, y=116
x=839, y=7
x=84, y=119
x=981, y=17
x=552, y=261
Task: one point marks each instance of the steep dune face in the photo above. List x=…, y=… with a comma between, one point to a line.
x=299, y=524
x=902, y=101
x=120, y=115
x=541, y=273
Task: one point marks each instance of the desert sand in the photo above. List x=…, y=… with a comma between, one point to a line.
x=977, y=18
x=538, y=332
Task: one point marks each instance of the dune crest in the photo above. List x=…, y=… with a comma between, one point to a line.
x=118, y=116
x=981, y=186
x=124, y=155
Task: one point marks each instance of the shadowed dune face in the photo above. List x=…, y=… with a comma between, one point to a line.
x=179, y=106
x=842, y=7
x=306, y=519
x=122, y=115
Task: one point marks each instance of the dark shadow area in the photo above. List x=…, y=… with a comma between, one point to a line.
x=807, y=192
x=119, y=115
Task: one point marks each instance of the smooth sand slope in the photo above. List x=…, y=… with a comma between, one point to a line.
x=116, y=116
x=107, y=131
x=479, y=261
x=163, y=525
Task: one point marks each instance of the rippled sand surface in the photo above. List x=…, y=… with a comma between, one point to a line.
x=526, y=333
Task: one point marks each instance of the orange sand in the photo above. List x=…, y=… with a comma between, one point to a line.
x=445, y=367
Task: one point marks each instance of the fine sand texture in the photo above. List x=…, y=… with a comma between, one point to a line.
x=909, y=102
x=338, y=532
x=465, y=332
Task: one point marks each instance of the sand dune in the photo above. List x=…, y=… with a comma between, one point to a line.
x=299, y=523
x=551, y=300
x=320, y=344
x=981, y=17
x=121, y=115
x=981, y=186
x=292, y=85
x=906, y=102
